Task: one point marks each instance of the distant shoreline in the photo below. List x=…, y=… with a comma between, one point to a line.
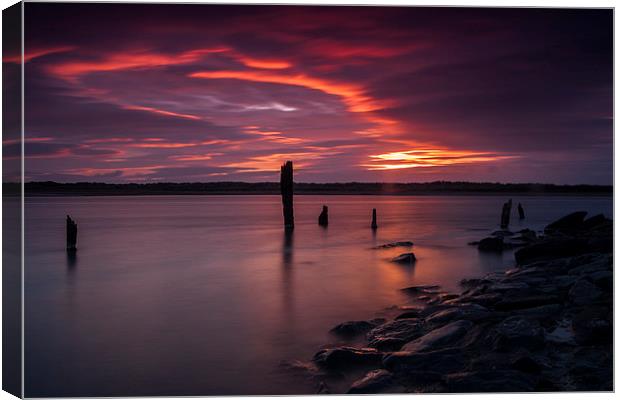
x=33, y=189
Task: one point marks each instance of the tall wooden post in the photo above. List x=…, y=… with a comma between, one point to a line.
x=521, y=211
x=506, y=209
x=324, y=217
x=286, y=188
x=71, y=234
x=373, y=225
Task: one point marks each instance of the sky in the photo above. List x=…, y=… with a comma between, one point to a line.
x=187, y=93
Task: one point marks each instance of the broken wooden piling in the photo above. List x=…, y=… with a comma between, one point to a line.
x=286, y=188
x=373, y=225
x=323, y=217
x=506, y=209
x=521, y=212
x=71, y=234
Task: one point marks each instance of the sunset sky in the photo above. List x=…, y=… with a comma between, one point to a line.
x=135, y=93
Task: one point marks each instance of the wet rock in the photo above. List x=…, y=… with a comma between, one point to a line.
x=593, y=325
x=374, y=382
x=491, y=244
x=405, y=258
x=516, y=332
x=603, y=279
x=393, y=335
x=519, y=302
x=473, y=282
x=356, y=328
x=347, y=357
x=441, y=361
x=569, y=223
x=489, y=381
x=409, y=314
x=562, y=333
x=470, y=312
x=583, y=292
x=395, y=244
x=446, y=335
x=322, y=388
x=419, y=289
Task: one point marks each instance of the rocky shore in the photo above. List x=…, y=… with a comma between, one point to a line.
x=544, y=325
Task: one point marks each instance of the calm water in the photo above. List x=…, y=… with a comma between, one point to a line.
x=199, y=295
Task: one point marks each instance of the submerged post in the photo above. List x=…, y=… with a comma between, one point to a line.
x=71, y=234
x=506, y=214
x=373, y=225
x=323, y=217
x=286, y=188
x=521, y=212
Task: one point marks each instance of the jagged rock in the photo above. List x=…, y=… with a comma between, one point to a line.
x=517, y=331
x=569, y=223
x=489, y=381
x=406, y=258
x=584, y=292
x=409, y=314
x=439, y=337
x=470, y=312
x=356, y=328
x=393, y=335
x=473, y=282
x=347, y=357
x=502, y=233
x=374, y=382
x=415, y=290
x=440, y=361
x=511, y=303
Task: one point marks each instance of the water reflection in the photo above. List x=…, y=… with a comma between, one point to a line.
x=287, y=270
x=71, y=261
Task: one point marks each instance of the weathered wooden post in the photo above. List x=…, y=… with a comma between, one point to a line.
x=521, y=212
x=506, y=209
x=71, y=234
x=373, y=225
x=323, y=217
x=286, y=188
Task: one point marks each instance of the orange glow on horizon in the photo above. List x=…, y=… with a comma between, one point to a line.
x=424, y=158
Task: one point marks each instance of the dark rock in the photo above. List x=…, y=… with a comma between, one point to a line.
x=415, y=290
x=511, y=303
x=355, y=328
x=374, y=382
x=408, y=315
x=502, y=233
x=491, y=244
x=549, y=249
x=490, y=381
x=395, y=244
x=593, y=325
x=516, y=332
x=441, y=361
x=405, y=258
x=444, y=336
x=466, y=312
x=347, y=357
x=569, y=223
x=594, y=222
x=603, y=279
x=393, y=335
x=472, y=282
x=584, y=292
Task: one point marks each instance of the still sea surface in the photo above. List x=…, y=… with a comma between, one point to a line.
x=206, y=295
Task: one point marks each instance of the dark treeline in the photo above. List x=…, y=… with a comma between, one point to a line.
x=438, y=187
